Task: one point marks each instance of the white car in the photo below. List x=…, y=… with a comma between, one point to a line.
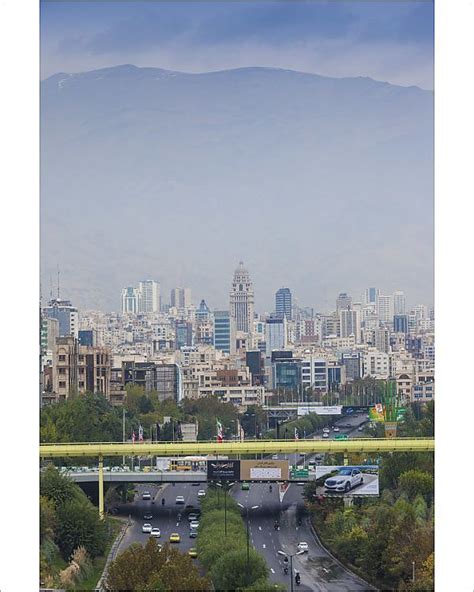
x=335, y=428
x=201, y=493
x=194, y=525
x=360, y=429
x=326, y=430
x=180, y=499
x=303, y=547
x=146, y=528
x=155, y=532
x=275, y=457
x=325, y=435
x=146, y=495
x=346, y=479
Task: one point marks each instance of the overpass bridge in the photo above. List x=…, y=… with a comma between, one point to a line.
x=227, y=448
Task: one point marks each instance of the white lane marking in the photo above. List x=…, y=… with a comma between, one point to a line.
x=272, y=570
x=264, y=546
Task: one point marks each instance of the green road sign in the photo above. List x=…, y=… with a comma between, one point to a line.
x=300, y=473
x=341, y=437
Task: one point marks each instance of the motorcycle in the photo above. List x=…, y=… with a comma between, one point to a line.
x=285, y=570
x=277, y=526
x=297, y=579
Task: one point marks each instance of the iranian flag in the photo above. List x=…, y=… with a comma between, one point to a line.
x=220, y=434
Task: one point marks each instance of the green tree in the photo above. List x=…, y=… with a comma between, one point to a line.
x=231, y=571
x=48, y=518
x=149, y=568
x=79, y=525
x=58, y=488
x=415, y=482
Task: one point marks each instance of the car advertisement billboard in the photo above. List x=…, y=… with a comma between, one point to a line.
x=223, y=470
x=320, y=410
x=264, y=470
x=347, y=480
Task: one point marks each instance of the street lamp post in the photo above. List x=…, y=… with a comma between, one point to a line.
x=290, y=555
x=413, y=571
x=247, y=509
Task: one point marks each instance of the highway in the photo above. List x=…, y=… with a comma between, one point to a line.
x=319, y=571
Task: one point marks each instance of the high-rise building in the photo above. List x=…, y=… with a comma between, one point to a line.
x=343, y=302
x=66, y=314
x=224, y=333
x=385, y=308
x=203, y=313
x=275, y=335
x=283, y=304
x=350, y=323
x=399, y=303
x=150, y=298
x=400, y=323
x=242, y=300
x=131, y=300
x=184, y=334
x=371, y=295
x=180, y=298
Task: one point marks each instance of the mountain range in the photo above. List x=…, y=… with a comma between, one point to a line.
x=320, y=184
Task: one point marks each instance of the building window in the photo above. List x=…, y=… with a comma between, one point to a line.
x=62, y=370
x=62, y=358
x=62, y=384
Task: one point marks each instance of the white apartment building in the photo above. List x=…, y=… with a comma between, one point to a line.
x=399, y=302
x=376, y=364
x=150, y=300
x=241, y=396
x=131, y=300
x=334, y=342
x=385, y=308
x=314, y=372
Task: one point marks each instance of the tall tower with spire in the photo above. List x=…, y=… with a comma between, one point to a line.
x=242, y=300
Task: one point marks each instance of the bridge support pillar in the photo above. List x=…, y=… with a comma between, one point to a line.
x=101, y=486
x=346, y=459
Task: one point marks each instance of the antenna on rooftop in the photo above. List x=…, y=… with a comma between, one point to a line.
x=58, y=281
x=50, y=287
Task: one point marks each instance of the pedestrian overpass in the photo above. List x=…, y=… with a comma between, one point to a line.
x=100, y=450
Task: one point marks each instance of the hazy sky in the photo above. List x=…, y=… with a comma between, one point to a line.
x=388, y=41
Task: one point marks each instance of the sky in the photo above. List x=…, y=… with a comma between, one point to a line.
x=391, y=41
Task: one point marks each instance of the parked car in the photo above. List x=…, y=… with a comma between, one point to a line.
x=302, y=546
x=346, y=479
x=155, y=532
x=180, y=499
x=146, y=528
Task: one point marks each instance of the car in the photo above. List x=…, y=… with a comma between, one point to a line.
x=360, y=429
x=194, y=525
x=193, y=552
x=335, y=429
x=245, y=486
x=302, y=546
x=326, y=430
x=147, y=516
x=193, y=516
x=193, y=534
x=325, y=435
x=155, y=532
x=146, y=495
x=201, y=493
x=146, y=528
x=180, y=499
x=175, y=537
x=346, y=479
x=275, y=457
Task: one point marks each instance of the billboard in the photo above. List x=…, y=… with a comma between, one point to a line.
x=320, y=410
x=360, y=480
x=264, y=470
x=223, y=470
x=377, y=413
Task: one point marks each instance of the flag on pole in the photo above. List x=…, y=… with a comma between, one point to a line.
x=133, y=437
x=297, y=436
x=140, y=434
x=220, y=435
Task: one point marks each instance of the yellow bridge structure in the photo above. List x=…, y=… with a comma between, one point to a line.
x=228, y=448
